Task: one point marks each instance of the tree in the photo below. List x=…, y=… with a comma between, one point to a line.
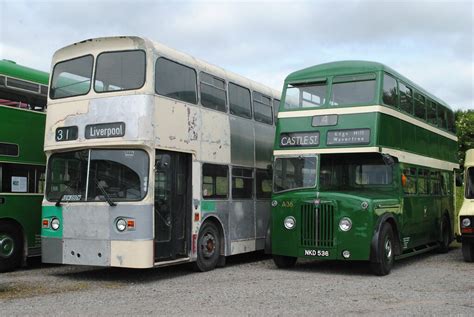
x=465, y=132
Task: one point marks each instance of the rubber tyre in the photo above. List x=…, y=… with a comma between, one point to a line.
x=446, y=237
x=12, y=244
x=284, y=262
x=468, y=251
x=385, y=256
x=208, y=248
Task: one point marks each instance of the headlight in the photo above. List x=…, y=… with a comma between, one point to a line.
x=289, y=222
x=466, y=222
x=121, y=224
x=55, y=224
x=274, y=203
x=345, y=224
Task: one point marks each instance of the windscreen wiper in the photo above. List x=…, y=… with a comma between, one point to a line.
x=104, y=192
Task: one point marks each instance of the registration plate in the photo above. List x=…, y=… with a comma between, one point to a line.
x=318, y=253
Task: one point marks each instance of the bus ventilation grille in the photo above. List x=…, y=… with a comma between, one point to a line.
x=317, y=225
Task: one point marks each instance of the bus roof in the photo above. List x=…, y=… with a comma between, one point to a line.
x=100, y=44
x=352, y=67
x=11, y=68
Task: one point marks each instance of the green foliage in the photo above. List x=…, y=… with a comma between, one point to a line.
x=465, y=132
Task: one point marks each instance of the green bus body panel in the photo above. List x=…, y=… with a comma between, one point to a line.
x=50, y=212
x=26, y=210
x=26, y=129
x=12, y=69
x=417, y=218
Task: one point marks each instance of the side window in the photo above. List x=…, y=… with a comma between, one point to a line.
x=409, y=181
x=390, y=91
x=276, y=106
x=262, y=108
x=242, y=183
x=215, y=181
x=451, y=121
x=431, y=113
x=422, y=182
x=8, y=149
x=264, y=184
x=175, y=81
x=213, y=94
x=239, y=100
x=435, y=183
x=420, y=106
x=406, y=98
x=19, y=178
x=442, y=120
x=445, y=184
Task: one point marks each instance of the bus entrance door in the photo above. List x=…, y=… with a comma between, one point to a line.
x=172, y=203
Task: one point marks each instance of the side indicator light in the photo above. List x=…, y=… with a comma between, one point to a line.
x=45, y=223
x=196, y=217
x=131, y=224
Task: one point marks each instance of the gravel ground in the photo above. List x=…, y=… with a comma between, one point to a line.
x=434, y=284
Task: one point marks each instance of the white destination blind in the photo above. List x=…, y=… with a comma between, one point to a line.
x=299, y=139
x=343, y=137
x=105, y=130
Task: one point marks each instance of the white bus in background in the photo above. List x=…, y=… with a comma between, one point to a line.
x=154, y=158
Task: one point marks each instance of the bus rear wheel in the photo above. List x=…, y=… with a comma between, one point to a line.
x=284, y=262
x=208, y=248
x=445, y=236
x=385, y=256
x=468, y=251
x=11, y=246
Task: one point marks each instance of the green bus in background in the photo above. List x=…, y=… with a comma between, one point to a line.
x=363, y=167
x=23, y=94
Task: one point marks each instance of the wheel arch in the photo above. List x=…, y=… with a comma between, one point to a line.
x=390, y=219
x=220, y=227
x=15, y=223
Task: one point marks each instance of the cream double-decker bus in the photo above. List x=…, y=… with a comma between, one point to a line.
x=154, y=158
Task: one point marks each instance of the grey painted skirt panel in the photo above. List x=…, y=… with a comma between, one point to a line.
x=221, y=212
x=242, y=220
x=86, y=252
x=52, y=250
x=262, y=214
x=242, y=141
x=92, y=221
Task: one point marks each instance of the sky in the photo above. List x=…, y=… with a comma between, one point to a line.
x=430, y=42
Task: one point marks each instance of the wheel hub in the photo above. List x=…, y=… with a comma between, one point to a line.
x=208, y=245
x=7, y=246
x=388, y=249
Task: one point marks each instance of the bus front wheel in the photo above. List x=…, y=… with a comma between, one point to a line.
x=208, y=248
x=468, y=251
x=284, y=262
x=385, y=256
x=11, y=246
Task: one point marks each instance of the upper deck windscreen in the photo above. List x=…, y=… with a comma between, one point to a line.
x=72, y=77
x=340, y=90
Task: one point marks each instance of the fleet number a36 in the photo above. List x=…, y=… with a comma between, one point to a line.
x=316, y=252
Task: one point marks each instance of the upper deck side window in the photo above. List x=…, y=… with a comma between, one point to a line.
x=276, y=105
x=239, y=101
x=122, y=70
x=175, y=80
x=213, y=92
x=390, y=93
x=300, y=96
x=431, y=112
x=420, y=106
x=406, y=98
x=262, y=108
x=353, y=89
x=72, y=77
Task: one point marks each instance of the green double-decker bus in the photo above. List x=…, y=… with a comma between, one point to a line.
x=23, y=94
x=363, y=167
